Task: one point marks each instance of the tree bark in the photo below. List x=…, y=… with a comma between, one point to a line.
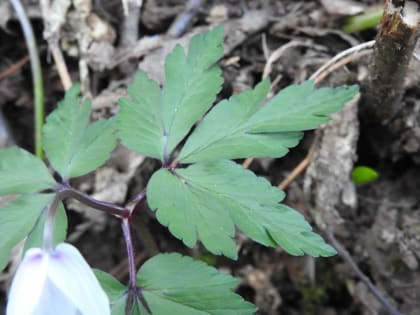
x=393, y=50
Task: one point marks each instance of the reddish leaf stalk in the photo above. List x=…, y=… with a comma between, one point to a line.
x=67, y=191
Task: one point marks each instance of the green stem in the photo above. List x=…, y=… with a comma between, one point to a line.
x=36, y=73
x=363, y=22
x=49, y=223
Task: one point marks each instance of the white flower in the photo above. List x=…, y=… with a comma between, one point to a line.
x=57, y=282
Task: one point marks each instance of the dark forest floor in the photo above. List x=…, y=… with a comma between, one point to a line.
x=380, y=225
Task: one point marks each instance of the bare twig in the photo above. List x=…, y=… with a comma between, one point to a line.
x=264, y=46
x=14, y=67
x=183, y=20
x=62, y=70
x=299, y=169
x=275, y=55
x=51, y=35
x=138, y=49
x=130, y=28
x=36, y=73
x=340, y=63
x=348, y=52
x=129, y=32
x=349, y=260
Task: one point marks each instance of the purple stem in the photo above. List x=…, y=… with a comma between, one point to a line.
x=134, y=292
x=347, y=257
x=66, y=191
x=139, y=200
x=130, y=252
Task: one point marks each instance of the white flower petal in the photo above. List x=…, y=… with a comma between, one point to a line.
x=53, y=302
x=28, y=283
x=75, y=279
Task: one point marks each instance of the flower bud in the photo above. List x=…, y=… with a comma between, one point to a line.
x=56, y=282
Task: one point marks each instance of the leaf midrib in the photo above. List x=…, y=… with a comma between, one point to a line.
x=161, y=294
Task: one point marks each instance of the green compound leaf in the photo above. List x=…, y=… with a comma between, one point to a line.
x=154, y=121
x=241, y=128
x=18, y=217
x=118, y=306
x=178, y=285
x=139, y=120
x=364, y=175
x=117, y=294
x=113, y=288
x=22, y=172
x=75, y=147
x=206, y=201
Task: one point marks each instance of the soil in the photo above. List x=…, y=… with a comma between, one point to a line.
x=377, y=223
